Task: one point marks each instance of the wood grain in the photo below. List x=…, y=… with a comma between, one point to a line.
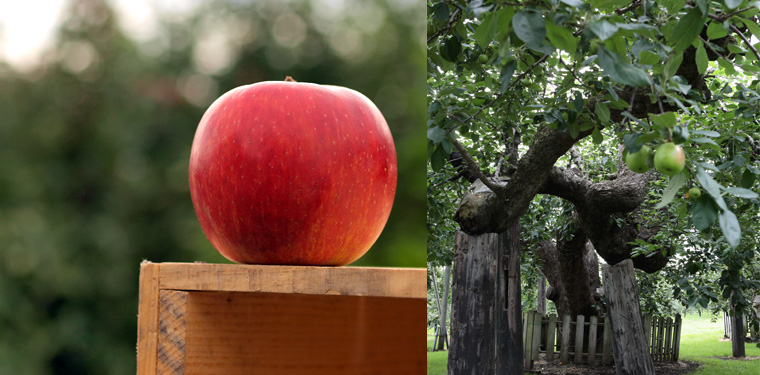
x=147, y=319
x=354, y=281
x=172, y=328
x=196, y=318
x=235, y=333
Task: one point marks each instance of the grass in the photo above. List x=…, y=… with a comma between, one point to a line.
x=700, y=342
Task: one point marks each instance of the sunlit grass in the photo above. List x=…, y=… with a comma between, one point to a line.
x=700, y=342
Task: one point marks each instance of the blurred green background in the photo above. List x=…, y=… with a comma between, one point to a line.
x=95, y=140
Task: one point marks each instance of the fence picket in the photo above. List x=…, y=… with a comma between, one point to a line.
x=663, y=336
x=592, y=341
x=677, y=341
x=565, y=338
x=537, y=317
x=551, y=330
x=528, y=340
x=579, y=339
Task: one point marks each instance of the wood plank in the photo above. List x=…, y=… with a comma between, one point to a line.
x=606, y=343
x=528, y=347
x=648, y=330
x=172, y=327
x=354, y=281
x=660, y=335
x=147, y=319
x=535, y=350
x=668, y=344
x=564, y=351
x=592, y=341
x=551, y=330
x=677, y=344
x=235, y=333
x=579, y=328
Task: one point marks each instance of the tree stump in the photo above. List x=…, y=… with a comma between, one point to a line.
x=629, y=345
x=486, y=319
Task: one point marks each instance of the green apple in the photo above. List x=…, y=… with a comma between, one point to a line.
x=483, y=58
x=669, y=159
x=694, y=193
x=638, y=160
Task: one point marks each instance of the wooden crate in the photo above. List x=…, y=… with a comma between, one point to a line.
x=198, y=318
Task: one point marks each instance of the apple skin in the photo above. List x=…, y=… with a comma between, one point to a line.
x=669, y=159
x=292, y=173
x=694, y=193
x=637, y=161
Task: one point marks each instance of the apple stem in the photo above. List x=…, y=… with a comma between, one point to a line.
x=290, y=79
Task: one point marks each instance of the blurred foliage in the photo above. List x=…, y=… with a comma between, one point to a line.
x=95, y=143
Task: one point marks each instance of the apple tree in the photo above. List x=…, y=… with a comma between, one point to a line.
x=516, y=88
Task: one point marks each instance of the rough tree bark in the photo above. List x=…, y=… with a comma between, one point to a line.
x=541, y=295
x=486, y=324
x=573, y=275
x=443, y=337
x=737, y=336
x=629, y=344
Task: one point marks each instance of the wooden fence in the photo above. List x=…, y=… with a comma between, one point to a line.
x=592, y=344
x=727, y=326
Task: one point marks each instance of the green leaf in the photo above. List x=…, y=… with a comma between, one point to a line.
x=753, y=27
x=486, y=31
x=702, y=6
x=748, y=179
x=703, y=140
x=573, y=3
x=666, y=120
x=450, y=49
x=631, y=142
x=707, y=133
x=715, y=30
x=530, y=27
x=672, y=66
x=704, y=213
x=603, y=29
x=621, y=72
x=675, y=184
x=436, y=134
x=561, y=37
x=732, y=231
x=506, y=75
x=602, y=112
x=712, y=187
x=701, y=58
x=733, y=4
x=673, y=6
x=596, y=136
x=438, y=159
x=649, y=58
x=609, y=4
x=687, y=29
x=727, y=66
x=441, y=12
x=742, y=192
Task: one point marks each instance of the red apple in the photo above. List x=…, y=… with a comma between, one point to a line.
x=292, y=173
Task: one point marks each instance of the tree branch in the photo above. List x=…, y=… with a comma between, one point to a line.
x=473, y=166
x=744, y=38
x=452, y=19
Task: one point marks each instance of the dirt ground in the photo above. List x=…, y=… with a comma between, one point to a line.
x=555, y=368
